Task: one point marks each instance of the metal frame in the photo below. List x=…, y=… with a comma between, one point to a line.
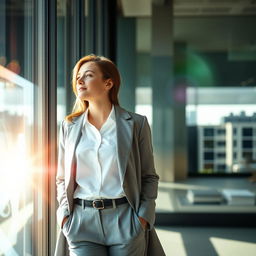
x=45, y=78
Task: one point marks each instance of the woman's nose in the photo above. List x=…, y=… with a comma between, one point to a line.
x=80, y=81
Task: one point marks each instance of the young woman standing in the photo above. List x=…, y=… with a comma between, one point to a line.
x=106, y=179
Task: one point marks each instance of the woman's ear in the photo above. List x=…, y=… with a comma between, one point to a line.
x=109, y=83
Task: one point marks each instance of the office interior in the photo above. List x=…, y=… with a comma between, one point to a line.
x=189, y=66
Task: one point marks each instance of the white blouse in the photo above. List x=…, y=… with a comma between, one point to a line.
x=97, y=173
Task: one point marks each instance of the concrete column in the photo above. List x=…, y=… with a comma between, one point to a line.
x=169, y=127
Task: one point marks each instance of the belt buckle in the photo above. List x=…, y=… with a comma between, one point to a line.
x=93, y=204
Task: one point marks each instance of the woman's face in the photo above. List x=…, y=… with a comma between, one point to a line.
x=90, y=84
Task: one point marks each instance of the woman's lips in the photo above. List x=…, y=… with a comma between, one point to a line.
x=82, y=89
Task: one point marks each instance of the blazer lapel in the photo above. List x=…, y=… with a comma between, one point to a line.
x=124, y=134
x=73, y=136
x=124, y=130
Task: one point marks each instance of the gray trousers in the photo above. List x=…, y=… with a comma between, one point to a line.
x=111, y=231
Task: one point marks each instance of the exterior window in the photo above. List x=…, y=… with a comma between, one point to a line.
x=208, y=156
x=247, y=143
x=221, y=143
x=208, y=166
x=247, y=131
x=208, y=144
x=221, y=155
x=221, y=131
x=208, y=131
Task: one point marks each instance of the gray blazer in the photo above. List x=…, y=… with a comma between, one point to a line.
x=136, y=164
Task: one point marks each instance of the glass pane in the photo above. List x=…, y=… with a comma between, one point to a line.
x=63, y=74
x=218, y=63
x=17, y=128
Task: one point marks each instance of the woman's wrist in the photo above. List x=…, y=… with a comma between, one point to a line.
x=64, y=220
x=143, y=222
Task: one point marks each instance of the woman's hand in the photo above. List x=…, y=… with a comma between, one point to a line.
x=143, y=222
x=64, y=220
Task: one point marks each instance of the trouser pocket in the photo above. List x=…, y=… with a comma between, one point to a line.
x=138, y=220
x=69, y=222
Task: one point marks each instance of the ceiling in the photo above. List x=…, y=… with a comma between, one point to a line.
x=143, y=8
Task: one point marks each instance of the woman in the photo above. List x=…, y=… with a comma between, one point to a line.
x=106, y=179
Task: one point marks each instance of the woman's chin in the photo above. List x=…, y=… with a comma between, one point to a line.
x=83, y=98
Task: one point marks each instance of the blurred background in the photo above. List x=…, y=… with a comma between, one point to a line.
x=188, y=65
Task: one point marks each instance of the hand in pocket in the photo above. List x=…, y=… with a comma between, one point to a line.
x=143, y=222
x=64, y=221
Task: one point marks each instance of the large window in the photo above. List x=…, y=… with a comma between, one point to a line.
x=218, y=62
x=189, y=67
x=27, y=126
x=17, y=123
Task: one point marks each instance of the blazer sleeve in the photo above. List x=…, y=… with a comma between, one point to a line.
x=62, y=210
x=149, y=177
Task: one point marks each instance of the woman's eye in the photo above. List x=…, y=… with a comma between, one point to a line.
x=85, y=76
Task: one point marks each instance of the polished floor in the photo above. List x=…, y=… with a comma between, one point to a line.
x=203, y=240
x=207, y=241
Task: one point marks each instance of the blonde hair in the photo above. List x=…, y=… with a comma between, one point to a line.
x=108, y=69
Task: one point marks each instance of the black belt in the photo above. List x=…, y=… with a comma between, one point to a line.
x=100, y=203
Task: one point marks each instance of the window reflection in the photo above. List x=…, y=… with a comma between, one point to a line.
x=217, y=60
x=16, y=207
x=17, y=128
